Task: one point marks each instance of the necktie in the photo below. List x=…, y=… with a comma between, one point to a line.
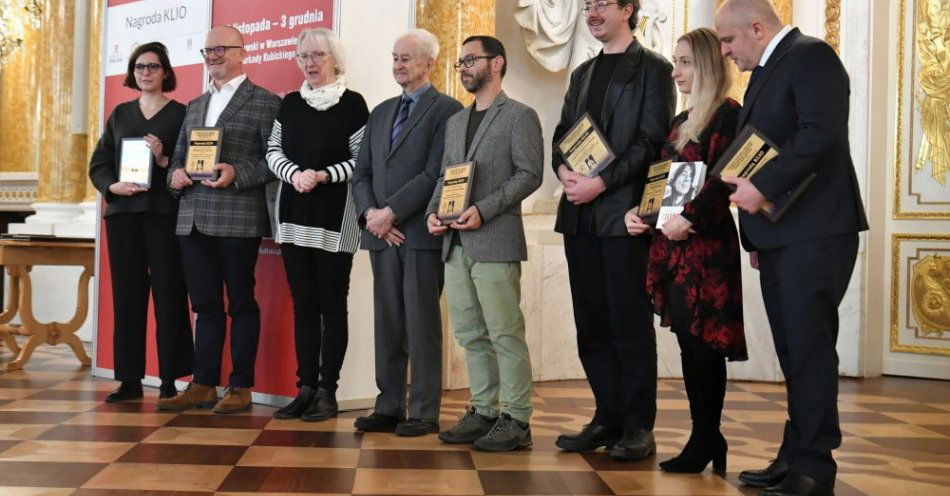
x=401, y=117
x=755, y=74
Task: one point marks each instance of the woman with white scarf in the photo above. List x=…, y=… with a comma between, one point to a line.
x=312, y=150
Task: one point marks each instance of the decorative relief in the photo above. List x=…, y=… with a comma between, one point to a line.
x=920, y=294
x=17, y=191
x=930, y=295
x=833, y=24
x=923, y=126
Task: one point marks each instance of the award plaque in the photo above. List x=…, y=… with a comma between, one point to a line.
x=204, y=150
x=584, y=148
x=653, y=191
x=747, y=155
x=135, y=162
x=456, y=191
x=684, y=182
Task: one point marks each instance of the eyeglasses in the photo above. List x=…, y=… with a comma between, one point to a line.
x=317, y=57
x=470, y=60
x=217, y=50
x=597, y=7
x=140, y=68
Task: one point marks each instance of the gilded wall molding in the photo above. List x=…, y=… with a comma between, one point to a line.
x=896, y=283
x=899, y=211
x=833, y=24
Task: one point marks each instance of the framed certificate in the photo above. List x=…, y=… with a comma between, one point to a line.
x=585, y=149
x=456, y=195
x=653, y=191
x=746, y=156
x=135, y=162
x=204, y=150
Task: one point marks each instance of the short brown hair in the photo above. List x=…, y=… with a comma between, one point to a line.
x=169, y=83
x=634, y=18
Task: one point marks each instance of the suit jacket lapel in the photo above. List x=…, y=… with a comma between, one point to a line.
x=386, y=126
x=767, y=71
x=580, y=105
x=421, y=108
x=202, y=105
x=626, y=69
x=486, y=122
x=241, y=94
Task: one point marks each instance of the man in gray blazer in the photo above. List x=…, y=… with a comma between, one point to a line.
x=483, y=249
x=396, y=171
x=221, y=222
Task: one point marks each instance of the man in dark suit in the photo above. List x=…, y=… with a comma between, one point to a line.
x=221, y=222
x=396, y=171
x=628, y=91
x=798, y=97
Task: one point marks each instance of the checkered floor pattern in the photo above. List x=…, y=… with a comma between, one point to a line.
x=57, y=437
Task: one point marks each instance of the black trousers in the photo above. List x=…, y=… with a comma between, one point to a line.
x=802, y=285
x=616, y=340
x=704, y=369
x=319, y=284
x=210, y=263
x=144, y=256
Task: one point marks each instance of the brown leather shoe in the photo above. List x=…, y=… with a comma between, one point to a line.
x=194, y=396
x=235, y=400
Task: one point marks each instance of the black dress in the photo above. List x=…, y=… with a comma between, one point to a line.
x=143, y=250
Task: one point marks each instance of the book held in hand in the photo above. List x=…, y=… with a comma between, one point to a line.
x=747, y=155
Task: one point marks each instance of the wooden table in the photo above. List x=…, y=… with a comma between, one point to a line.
x=19, y=257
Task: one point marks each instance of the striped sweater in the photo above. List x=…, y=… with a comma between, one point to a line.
x=304, y=138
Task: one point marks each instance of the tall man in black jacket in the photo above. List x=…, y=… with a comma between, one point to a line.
x=629, y=93
x=798, y=97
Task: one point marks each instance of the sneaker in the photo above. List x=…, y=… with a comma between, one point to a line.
x=507, y=434
x=295, y=408
x=417, y=427
x=469, y=427
x=376, y=422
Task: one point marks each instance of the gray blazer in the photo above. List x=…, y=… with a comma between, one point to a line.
x=403, y=175
x=240, y=210
x=508, y=153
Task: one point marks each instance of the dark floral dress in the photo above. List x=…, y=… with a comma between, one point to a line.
x=704, y=267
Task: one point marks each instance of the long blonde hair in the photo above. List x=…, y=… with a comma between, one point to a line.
x=711, y=80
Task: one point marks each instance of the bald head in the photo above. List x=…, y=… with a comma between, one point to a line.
x=745, y=28
x=224, y=53
x=750, y=11
x=228, y=34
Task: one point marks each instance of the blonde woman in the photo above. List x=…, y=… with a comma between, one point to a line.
x=693, y=274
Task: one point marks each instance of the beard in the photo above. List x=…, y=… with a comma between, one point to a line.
x=477, y=82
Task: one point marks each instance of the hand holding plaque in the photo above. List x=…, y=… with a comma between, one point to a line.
x=585, y=149
x=456, y=191
x=204, y=151
x=747, y=155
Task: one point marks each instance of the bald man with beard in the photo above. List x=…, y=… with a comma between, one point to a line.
x=221, y=222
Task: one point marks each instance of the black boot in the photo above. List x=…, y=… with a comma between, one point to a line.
x=704, y=373
x=167, y=389
x=128, y=390
x=295, y=408
x=323, y=407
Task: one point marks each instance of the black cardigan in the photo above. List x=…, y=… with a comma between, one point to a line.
x=127, y=121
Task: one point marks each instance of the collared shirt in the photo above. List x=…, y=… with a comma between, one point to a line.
x=414, y=96
x=774, y=43
x=220, y=98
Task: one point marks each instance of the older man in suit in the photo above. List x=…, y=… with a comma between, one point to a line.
x=221, y=222
x=798, y=97
x=396, y=171
x=484, y=247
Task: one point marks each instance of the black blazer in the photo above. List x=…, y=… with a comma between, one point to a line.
x=800, y=101
x=637, y=111
x=402, y=175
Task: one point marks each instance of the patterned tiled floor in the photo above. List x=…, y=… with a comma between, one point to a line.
x=57, y=437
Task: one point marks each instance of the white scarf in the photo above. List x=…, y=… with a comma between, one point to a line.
x=325, y=96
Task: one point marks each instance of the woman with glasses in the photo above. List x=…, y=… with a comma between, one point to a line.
x=140, y=230
x=312, y=150
x=694, y=274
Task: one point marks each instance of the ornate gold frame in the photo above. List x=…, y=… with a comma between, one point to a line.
x=898, y=212
x=833, y=24
x=895, y=345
